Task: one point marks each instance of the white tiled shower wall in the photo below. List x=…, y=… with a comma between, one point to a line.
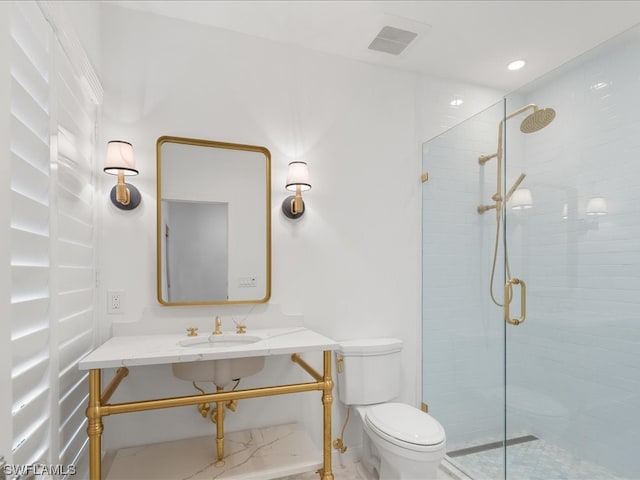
x=576, y=362
x=573, y=367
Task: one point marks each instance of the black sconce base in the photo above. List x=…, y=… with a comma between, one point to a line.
x=286, y=208
x=134, y=198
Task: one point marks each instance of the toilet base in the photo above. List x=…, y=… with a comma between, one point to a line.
x=391, y=467
x=381, y=460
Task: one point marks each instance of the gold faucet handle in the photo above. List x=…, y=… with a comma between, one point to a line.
x=218, y=329
x=193, y=331
x=241, y=329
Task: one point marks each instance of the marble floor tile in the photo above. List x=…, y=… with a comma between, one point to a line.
x=283, y=452
x=533, y=460
x=257, y=454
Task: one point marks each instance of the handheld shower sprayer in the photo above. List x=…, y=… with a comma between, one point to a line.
x=514, y=187
x=535, y=121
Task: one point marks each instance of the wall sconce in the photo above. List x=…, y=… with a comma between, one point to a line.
x=521, y=199
x=120, y=161
x=298, y=180
x=597, y=206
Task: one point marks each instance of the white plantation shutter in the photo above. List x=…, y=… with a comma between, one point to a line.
x=30, y=242
x=74, y=265
x=53, y=109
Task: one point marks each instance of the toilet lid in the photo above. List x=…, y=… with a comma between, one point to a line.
x=405, y=423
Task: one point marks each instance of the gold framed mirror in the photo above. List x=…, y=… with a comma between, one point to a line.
x=213, y=222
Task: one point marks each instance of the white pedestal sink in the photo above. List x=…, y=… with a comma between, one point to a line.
x=223, y=371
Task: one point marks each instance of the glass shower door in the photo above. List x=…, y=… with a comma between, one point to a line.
x=463, y=330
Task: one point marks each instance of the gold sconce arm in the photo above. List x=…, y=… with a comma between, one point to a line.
x=297, y=206
x=523, y=301
x=122, y=192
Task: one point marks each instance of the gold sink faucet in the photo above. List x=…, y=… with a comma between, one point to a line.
x=218, y=330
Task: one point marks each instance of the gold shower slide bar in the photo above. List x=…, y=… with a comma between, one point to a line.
x=523, y=301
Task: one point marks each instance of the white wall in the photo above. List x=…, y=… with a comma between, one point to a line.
x=351, y=265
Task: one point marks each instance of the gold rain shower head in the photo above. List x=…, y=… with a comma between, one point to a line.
x=540, y=118
x=537, y=120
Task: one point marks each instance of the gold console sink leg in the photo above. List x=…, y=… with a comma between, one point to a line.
x=220, y=430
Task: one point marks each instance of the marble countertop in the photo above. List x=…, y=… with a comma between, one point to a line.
x=138, y=350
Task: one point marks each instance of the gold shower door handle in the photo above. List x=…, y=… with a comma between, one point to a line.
x=523, y=301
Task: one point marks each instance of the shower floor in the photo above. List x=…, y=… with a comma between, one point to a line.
x=528, y=458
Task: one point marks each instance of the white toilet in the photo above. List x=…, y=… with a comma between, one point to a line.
x=401, y=442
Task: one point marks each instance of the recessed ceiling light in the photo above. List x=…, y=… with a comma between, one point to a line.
x=516, y=65
x=456, y=102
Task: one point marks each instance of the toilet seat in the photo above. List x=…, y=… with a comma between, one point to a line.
x=405, y=426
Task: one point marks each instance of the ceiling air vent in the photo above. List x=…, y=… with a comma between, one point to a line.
x=392, y=40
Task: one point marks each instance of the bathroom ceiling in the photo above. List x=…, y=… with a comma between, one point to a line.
x=469, y=41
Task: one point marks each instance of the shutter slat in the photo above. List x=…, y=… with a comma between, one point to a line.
x=75, y=230
x=73, y=116
x=75, y=255
x=35, y=410
x=30, y=32
x=73, y=193
x=32, y=345
x=74, y=325
x=26, y=73
x=72, y=303
x=71, y=377
x=29, y=316
x=27, y=110
x=29, y=215
x=27, y=145
x=28, y=384
x=28, y=248
x=72, y=351
x=70, y=452
x=29, y=283
x=74, y=278
x=29, y=181
x=32, y=446
x=75, y=426
x=75, y=400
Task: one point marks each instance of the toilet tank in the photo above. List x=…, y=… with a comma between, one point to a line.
x=368, y=370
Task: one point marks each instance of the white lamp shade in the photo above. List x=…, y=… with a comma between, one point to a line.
x=298, y=176
x=597, y=206
x=120, y=157
x=521, y=199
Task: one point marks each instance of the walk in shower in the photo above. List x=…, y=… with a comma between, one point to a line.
x=548, y=387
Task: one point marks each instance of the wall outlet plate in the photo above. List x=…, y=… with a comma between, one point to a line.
x=115, y=302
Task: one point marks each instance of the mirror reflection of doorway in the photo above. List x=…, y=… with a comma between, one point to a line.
x=196, y=249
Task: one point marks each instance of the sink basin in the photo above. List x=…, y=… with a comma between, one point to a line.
x=219, y=341
x=223, y=371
